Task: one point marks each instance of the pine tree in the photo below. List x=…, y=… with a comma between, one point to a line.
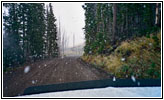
x=35, y=30
x=51, y=33
x=12, y=52
x=90, y=27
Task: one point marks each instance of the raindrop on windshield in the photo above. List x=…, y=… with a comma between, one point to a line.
x=33, y=82
x=122, y=59
x=133, y=78
x=114, y=78
x=27, y=69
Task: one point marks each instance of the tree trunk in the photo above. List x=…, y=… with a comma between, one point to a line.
x=24, y=51
x=127, y=32
x=114, y=21
x=157, y=16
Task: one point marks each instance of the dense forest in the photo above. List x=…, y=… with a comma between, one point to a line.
x=106, y=24
x=30, y=33
x=124, y=39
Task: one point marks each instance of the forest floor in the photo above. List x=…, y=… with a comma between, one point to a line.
x=54, y=71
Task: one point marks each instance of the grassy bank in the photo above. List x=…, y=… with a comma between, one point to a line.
x=140, y=57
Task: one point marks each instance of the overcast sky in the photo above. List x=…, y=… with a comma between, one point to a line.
x=71, y=17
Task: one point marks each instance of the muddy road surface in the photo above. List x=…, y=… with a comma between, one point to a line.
x=54, y=71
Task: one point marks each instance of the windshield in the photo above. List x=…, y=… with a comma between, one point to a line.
x=51, y=47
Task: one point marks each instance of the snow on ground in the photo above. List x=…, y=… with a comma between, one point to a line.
x=106, y=92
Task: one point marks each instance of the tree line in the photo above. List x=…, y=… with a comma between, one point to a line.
x=107, y=24
x=29, y=33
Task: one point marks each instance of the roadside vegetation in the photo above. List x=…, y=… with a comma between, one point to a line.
x=124, y=39
x=140, y=57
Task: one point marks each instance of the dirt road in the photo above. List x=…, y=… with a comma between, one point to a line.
x=58, y=70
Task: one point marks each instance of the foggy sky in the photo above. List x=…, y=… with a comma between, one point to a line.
x=71, y=16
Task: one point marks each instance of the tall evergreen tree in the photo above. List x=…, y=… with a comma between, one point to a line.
x=35, y=30
x=12, y=52
x=90, y=26
x=51, y=33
